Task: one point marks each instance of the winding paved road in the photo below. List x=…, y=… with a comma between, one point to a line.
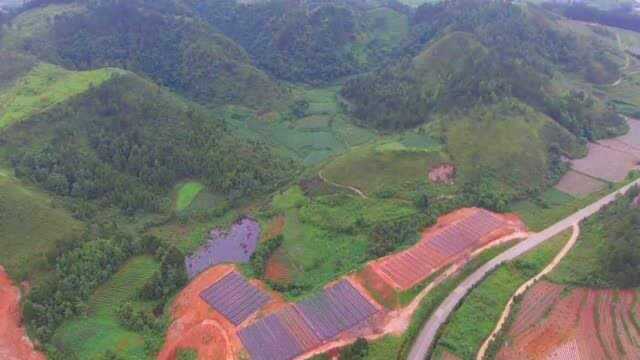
x=423, y=344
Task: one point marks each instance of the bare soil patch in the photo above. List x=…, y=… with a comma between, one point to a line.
x=14, y=343
x=606, y=163
x=579, y=185
x=585, y=324
x=442, y=174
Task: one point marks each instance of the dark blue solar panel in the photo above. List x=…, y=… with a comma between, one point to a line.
x=235, y=298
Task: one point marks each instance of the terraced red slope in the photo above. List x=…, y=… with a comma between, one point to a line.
x=585, y=324
x=442, y=245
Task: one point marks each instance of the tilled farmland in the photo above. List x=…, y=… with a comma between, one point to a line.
x=306, y=325
x=581, y=324
x=442, y=246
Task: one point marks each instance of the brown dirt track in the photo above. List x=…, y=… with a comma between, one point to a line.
x=584, y=324
x=14, y=343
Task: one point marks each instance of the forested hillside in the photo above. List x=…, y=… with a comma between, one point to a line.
x=127, y=142
x=311, y=41
x=464, y=54
x=159, y=40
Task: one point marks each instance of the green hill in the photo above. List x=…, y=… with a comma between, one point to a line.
x=158, y=41
x=311, y=41
x=105, y=144
x=462, y=54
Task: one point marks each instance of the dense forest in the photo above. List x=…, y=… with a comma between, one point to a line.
x=159, y=40
x=305, y=41
x=128, y=142
x=478, y=55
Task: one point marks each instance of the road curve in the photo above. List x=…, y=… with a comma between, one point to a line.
x=427, y=335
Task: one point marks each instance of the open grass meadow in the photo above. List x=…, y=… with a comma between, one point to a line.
x=30, y=225
x=583, y=265
x=44, y=86
x=91, y=336
x=479, y=312
x=396, y=166
x=186, y=194
x=552, y=206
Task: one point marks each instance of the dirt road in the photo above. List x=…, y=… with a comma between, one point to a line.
x=423, y=344
x=354, y=189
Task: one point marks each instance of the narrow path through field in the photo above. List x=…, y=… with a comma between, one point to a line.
x=425, y=340
x=354, y=189
x=521, y=290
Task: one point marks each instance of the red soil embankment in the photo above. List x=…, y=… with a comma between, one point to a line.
x=585, y=324
x=197, y=326
x=14, y=343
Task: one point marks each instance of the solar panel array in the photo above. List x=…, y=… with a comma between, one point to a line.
x=304, y=326
x=235, y=298
x=411, y=266
x=283, y=335
x=338, y=308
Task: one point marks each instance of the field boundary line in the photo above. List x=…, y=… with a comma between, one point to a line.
x=348, y=187
x=524, y=287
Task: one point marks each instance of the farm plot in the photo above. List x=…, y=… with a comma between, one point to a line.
x=306, y=325
x=235, y=245
x=440, y=247
x=577, y=184
x=606, y=163
x=585, y=324
x=235, y=298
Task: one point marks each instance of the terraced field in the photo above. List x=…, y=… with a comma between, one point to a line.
x=100, y=330
x=583, y=324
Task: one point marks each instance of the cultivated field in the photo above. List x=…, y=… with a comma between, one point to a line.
x=577, y=184
x=89, y=336
x=580, y=324
x=186, y=194
x=606, y=163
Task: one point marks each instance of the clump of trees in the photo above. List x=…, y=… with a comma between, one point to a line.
x=262, y=254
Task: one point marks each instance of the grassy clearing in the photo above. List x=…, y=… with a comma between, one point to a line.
x=44, y=86
x=552, y=206
x=30, y=225
x=474, y=320
x=91, y=336
x=187, y=193
x=328, y=235
x=385, y=166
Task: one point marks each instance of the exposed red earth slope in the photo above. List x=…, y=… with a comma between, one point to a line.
x=14, y=343
x=581, y=324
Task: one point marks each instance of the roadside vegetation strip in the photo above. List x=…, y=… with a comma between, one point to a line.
x=524, y=287
x=429, y=303
x=473, y=321
x=187, y=193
